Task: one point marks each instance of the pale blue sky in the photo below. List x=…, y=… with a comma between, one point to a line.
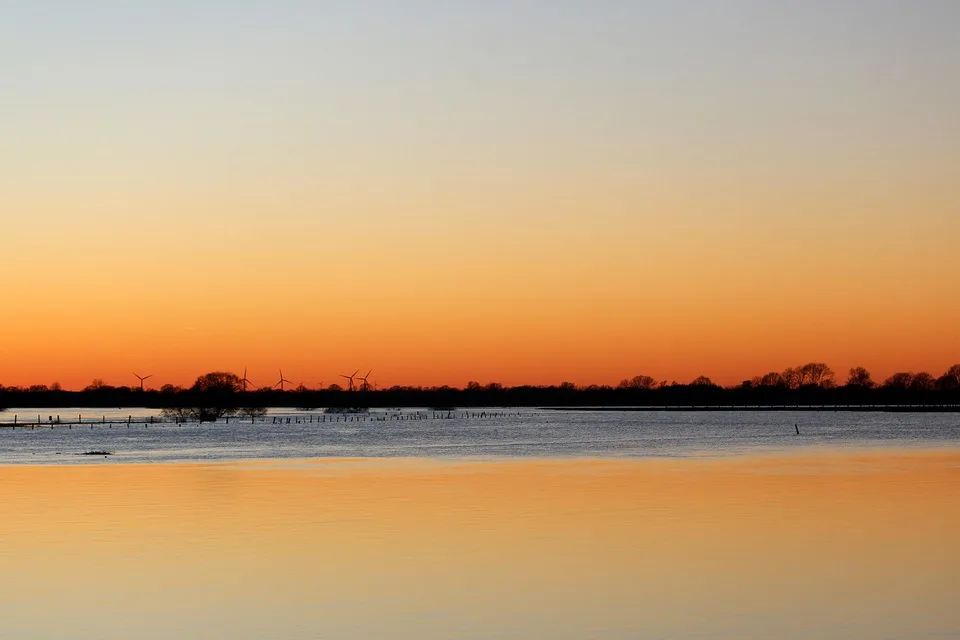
x=454, y=78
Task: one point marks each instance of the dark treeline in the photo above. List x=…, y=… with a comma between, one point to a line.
x=217, y=394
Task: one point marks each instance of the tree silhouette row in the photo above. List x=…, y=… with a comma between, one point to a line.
x=809, y=384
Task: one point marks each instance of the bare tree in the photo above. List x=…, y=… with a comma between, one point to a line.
x=923, y=381
x=98, y=385
x=899, y=380
x=816, y=373
x=218, y=381
x=955, y=372
x=211, y=396
x=772, y=379
x=637, y=382
x=792, y=378
x=950, y=380
x=860, y=377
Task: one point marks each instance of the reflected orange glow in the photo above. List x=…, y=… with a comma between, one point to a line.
x=788, y=546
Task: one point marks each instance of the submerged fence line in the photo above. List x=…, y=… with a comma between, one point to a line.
x=54, y=421
x=57, y=421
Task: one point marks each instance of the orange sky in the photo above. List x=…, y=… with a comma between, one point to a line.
x=457, y=196
x=437, y=300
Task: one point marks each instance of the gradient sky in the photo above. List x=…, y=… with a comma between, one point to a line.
x=518, y=191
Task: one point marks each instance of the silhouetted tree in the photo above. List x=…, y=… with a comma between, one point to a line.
x=702, y=381
x=950, y=381
x=923, y=381
x=211, y=397
x=98, y=385
x=792, y=378
x=218, y=382
x=637, y=382
x=946, y=382
x=899, y=380
x=860, y=377
x=772, y=379
x=816, y=373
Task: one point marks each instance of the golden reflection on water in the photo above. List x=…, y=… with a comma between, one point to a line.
x=825, y=546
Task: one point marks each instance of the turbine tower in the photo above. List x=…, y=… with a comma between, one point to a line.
x=142, y=379
x=282, y=381
x=366, y=385
x=350, y=386
x=246, y=381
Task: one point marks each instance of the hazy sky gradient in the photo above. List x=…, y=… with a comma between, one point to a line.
x=520, y=191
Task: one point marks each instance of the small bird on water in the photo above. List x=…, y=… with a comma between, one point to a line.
x=797, y=427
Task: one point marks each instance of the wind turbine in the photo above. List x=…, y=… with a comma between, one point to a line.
x=143, y=379
x=350, y=378
x=282, y=381
x=366, y=385
x=246, y=381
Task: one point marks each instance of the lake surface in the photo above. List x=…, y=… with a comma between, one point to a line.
x=499, y=433
x=542, y=526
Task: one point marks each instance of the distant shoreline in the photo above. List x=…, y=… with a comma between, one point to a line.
x=806, y=408
x=810, y=408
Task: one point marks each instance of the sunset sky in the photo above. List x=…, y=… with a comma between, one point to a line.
x=526, y=192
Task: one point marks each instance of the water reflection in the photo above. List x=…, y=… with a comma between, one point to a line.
x=832, y=546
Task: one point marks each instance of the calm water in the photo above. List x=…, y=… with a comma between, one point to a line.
x=518, y=434
x=543, y=526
